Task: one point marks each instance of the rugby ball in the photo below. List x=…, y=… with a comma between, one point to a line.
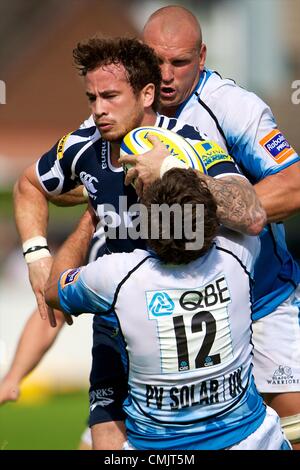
x=136, y=143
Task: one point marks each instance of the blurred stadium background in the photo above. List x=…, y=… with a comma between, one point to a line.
x=254, y=41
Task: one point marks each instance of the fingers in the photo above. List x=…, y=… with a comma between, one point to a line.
x=154, y=140
x=68, y=318
x=157, y=144
x=131, y=175
x=131, y=159
x=139, y=187
x=8, y=392
x=51, y=317
x=43, y=308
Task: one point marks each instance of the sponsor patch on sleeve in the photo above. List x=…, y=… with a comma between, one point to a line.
x=277, y=146
x=211, y=153
x=69, y=277
x=61, y=146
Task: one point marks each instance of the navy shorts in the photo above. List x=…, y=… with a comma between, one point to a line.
x=108, y=377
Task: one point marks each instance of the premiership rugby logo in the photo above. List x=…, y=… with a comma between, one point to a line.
x=61, y=146
x=136, y=143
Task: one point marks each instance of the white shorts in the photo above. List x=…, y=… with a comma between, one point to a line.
x=276, y=341
x=269, y=436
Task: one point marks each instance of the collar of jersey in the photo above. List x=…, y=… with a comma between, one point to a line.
x=202, y=79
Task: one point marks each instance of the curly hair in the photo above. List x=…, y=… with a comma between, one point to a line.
x=181, y=187
x=139, y=60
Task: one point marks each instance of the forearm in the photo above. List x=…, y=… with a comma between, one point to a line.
x=238, y=205
x=278, y=203
x=75, y=197
x=36, y=338
x=31, y=210
x=71, y=255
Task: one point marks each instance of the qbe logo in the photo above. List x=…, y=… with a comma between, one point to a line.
x=2, y=92
x=161, y=304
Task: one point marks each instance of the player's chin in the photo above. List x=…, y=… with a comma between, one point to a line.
x=168, y=101
x=111, y=135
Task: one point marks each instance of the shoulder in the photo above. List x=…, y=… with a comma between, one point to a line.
x=110, y=270
x=74, y=141
x=243, y=248
x=58, y=164
x=224, y=95
x=180, y=127
x=79, y=138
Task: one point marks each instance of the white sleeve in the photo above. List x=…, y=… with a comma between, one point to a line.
x=252, y=135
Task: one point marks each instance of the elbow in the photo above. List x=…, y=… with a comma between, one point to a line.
x=16, y=188
x=258, y=223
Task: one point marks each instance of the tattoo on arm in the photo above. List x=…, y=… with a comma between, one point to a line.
x=238, y=205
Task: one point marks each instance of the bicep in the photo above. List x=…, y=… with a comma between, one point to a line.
x=279, y=193
x=257, y=144
x=76, y=292
x=30, y=178
x=28, y=188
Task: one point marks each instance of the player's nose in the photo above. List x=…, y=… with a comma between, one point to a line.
x=99, y=107
x=167, y=73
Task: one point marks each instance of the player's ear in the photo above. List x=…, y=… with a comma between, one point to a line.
x=148, y=93
x=202, y=56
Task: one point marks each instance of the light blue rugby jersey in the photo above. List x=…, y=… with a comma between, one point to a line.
x=190, y=384
x=245, y=126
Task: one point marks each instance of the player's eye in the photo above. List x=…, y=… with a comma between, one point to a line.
x=180, y=63
x=111, y=96
x=91, y=98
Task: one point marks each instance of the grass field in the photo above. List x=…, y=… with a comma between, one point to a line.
x=55, y=424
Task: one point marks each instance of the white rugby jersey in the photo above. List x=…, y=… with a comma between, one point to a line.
x=245, y=126
x=187, y=331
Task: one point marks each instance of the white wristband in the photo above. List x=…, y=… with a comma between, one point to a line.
x=36, y=255
x=171, y=162
x=35, y=248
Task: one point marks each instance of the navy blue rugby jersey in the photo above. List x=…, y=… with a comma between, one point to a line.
x=83, y=157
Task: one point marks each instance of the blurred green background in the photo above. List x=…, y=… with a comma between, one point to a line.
x=55, y=423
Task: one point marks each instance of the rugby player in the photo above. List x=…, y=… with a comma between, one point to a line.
x=186, y=318
x=245, y=127
x=122, y=80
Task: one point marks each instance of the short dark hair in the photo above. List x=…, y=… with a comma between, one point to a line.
x=139, y=60
x=181, y=187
